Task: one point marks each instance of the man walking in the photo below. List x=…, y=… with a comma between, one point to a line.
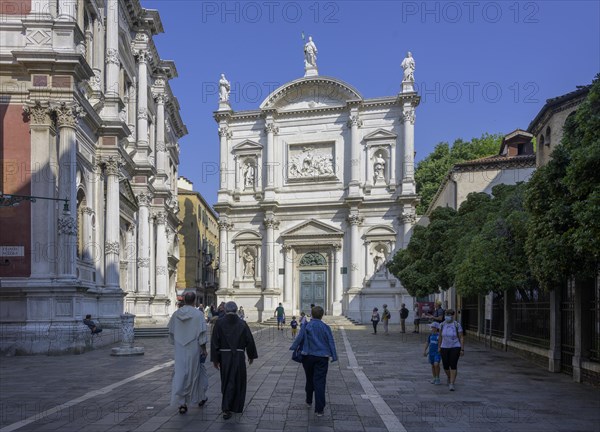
x=403, y=316
x=280, y=312
x=231, y=338
x=385, y=317
x=188, y=332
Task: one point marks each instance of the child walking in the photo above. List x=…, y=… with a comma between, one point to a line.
x=431, y=349
x=294, y=325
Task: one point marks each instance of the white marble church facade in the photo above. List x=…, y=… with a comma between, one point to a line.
x=317, y=192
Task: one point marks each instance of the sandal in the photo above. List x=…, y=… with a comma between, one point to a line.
x=202, y=402
x=182, y=409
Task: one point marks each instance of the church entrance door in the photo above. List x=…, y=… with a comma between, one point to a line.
x=312, y=289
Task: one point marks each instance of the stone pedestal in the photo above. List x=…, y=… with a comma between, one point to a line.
x=127, y=348
x=310, y=71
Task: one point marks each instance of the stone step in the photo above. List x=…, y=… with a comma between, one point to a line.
x=147, y=332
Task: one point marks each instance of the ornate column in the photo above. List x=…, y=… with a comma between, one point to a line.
x=66, y=119
x=162, y=263
x=408, y=135
x=288, y=268
x=161, y=149
x=224, y=136
x=270, y=223
x=112, y=54
x=86, y=233
x=43, y=213
x=270, y=130
x=143, y=249
x=354, y=123
x=112, y=223
x=408, y=219
x=224, y=226
x=354, y=220
x=131, y=257
x=337, y=277
x=139, y=49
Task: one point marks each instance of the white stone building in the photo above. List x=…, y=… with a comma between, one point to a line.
x=88, y=117
x=317, y=192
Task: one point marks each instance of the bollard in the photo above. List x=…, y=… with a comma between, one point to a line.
x=127, y=334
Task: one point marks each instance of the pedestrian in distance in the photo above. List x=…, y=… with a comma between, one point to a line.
x=403, y=316
x=438, y=313
x=280, y=313
x=294, y=326
x=431, y=350
x=312, y=305
x=231, y=341
x=385, y=318
x=375, y=318
x=241, y=313
x=92, y=325
x=451, y=346
x=189, y=334
x=317, y=346
x=417, y=320
x=303, y=319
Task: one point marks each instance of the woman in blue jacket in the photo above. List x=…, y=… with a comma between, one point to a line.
x=316, y=340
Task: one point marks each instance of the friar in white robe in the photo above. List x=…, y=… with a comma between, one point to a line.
x=189, y=333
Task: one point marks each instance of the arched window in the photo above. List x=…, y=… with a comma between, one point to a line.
x=548, y=138
x=313, y=259
x=81, y=205
x=542, y=141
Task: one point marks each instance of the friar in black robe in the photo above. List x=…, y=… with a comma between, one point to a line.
x=230, y=342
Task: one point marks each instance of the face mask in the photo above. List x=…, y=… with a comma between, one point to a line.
x=448, y=318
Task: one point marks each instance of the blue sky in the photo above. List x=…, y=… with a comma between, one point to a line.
x=481, y=66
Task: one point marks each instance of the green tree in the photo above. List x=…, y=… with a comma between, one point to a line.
x=495, y=258
x=431, y=171
x=422, y=266
x=563, y=200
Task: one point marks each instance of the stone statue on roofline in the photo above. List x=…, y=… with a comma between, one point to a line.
x=310, y=58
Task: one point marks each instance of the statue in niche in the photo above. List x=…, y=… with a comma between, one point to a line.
x=408, y=64
x=249, y=176
x=310, y=53
x=378, y=167
x=224, y=89
x=248, y=264
x=379, y=257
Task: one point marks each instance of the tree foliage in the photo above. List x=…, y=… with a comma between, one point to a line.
x=563, y=199
x=431, y=171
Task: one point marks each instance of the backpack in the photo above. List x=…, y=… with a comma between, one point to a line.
x=404, y=313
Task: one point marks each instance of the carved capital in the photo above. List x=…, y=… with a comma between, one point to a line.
x=271, y=128
x=38, y=114
x=141, y=54
x=160, y=97
x=271, y=222
x=112, y=165
x=161, y=147
x=225, y=132
x=144, y=199
x=354, y=121
x=337, y=246
x=408, y=116
x=67, y=115
x=111, y=248
x=355, y=219
x=407, y=217
x=112, y=56
x=224, y=225
x=161, y=218
x=131, y=228
x=67, y=225
x=142, y=114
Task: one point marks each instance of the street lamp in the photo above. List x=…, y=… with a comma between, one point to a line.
x=9, y=200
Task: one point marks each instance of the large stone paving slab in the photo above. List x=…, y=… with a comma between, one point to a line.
x=496, y=391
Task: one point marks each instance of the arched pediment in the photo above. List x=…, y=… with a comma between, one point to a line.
x=247, y=235
x=311, y=93
x=380, y=233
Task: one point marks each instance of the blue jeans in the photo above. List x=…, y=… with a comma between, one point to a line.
x=315, y=369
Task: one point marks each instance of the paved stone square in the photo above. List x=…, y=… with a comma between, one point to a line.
x=380, y=383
